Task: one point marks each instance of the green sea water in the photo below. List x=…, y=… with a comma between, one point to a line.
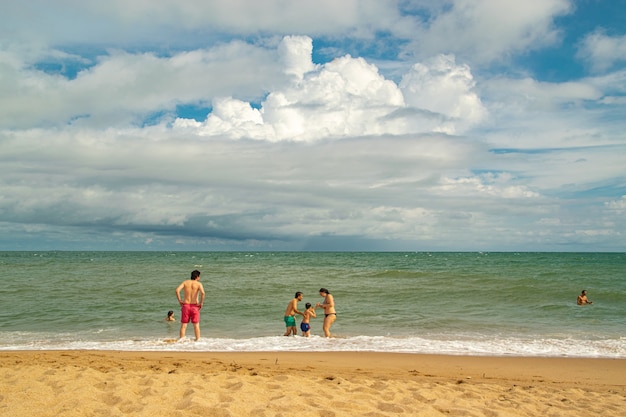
x=476, y=303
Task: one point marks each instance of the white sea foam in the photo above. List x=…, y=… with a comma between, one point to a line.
x=607, y=348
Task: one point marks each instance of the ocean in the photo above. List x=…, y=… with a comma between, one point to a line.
x=468, y=303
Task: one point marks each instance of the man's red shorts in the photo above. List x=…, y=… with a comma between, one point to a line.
x=190, y=313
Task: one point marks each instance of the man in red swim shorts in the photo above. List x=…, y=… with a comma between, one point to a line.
x=191, y=303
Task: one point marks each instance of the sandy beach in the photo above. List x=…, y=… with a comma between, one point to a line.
x=112, y=383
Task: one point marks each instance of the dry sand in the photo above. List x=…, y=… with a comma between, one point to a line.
x=103, y=383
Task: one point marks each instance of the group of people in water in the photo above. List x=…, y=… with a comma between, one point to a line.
x=330, y=314
x=193, y=296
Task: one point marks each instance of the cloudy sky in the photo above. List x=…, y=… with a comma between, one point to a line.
x=413, y=125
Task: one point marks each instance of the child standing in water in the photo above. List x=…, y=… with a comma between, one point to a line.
x=305, y=326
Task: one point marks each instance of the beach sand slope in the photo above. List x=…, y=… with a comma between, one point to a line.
x=325, y=384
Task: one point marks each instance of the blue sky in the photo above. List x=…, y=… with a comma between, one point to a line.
x=412, y=125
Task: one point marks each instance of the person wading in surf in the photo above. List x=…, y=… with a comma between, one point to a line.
x=330, y=315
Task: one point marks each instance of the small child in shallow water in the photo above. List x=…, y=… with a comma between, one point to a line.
x=305, y=326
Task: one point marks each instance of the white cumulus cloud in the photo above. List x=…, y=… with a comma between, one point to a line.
x=348, y=97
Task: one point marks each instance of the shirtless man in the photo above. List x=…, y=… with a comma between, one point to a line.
x=330, y=315
x=191, y=304
x=290, y=314
x=582, y=298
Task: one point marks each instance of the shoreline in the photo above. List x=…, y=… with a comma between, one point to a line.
x=172, y=383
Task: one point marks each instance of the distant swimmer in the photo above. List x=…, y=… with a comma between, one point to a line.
x=582, y=298
x=330, y=315
x=170, y=316
x=191, y=304
x=290, y=314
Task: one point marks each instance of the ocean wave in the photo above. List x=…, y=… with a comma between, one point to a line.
x=473, y=345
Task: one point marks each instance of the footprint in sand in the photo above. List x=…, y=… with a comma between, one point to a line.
x=234, y=387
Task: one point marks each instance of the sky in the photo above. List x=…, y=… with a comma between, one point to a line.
x=371, y=125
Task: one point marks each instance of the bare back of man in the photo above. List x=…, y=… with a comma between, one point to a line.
x=191, y=290
x=190, y=303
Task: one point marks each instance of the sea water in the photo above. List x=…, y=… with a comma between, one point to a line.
x=516, y=304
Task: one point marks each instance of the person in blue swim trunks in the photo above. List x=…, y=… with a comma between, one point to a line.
x=305, y=326
x=290, y=314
